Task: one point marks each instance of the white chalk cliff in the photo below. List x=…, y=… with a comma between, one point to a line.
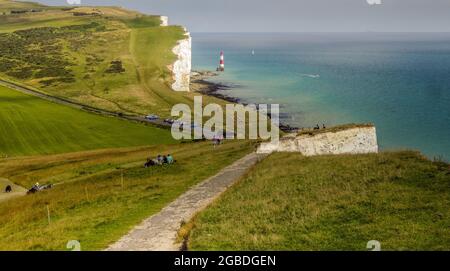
x=181, y=69
x=164, y=21
x=355, y=140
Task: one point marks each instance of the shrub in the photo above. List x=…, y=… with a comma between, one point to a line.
x=115, y=67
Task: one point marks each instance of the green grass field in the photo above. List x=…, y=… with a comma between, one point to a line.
x=109, y=58
x=331, y=203
x=30, y=126
x=94, y=205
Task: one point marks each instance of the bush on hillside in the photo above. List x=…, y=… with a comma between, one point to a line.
x=115, y=67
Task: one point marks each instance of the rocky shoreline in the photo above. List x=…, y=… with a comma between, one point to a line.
x=199, y=83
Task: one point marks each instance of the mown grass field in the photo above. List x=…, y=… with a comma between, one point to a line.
x=95, y=205
x=32, y=126
x=109, y=58
x=331, y=203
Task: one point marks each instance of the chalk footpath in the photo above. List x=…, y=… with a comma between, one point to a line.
x=159, y=232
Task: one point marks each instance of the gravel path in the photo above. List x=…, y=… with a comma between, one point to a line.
x=159, y=232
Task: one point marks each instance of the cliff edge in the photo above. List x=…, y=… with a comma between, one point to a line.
x=181, y=69
x=346, y=139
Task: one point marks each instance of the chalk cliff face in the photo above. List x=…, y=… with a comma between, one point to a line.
x=181, y=69
x=349, y=141
x=164, y=21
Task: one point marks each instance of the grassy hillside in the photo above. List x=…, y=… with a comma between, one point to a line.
x=109, y=58
x=6, y=6
x=106, y=57
x=332, y=203
x=94, y=205
x=29, y=126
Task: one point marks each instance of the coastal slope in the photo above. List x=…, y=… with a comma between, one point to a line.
x=33, y=126
x=105, y=57
x=331, y=202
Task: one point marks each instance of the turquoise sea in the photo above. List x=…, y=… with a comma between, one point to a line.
x=398, y=81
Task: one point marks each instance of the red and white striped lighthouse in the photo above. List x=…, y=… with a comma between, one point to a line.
x=222, y=63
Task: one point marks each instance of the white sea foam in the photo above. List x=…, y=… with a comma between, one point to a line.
x=310, y=75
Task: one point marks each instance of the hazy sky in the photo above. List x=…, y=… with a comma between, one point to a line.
x=294, y=15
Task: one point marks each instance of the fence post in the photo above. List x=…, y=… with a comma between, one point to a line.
x=48, y=214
